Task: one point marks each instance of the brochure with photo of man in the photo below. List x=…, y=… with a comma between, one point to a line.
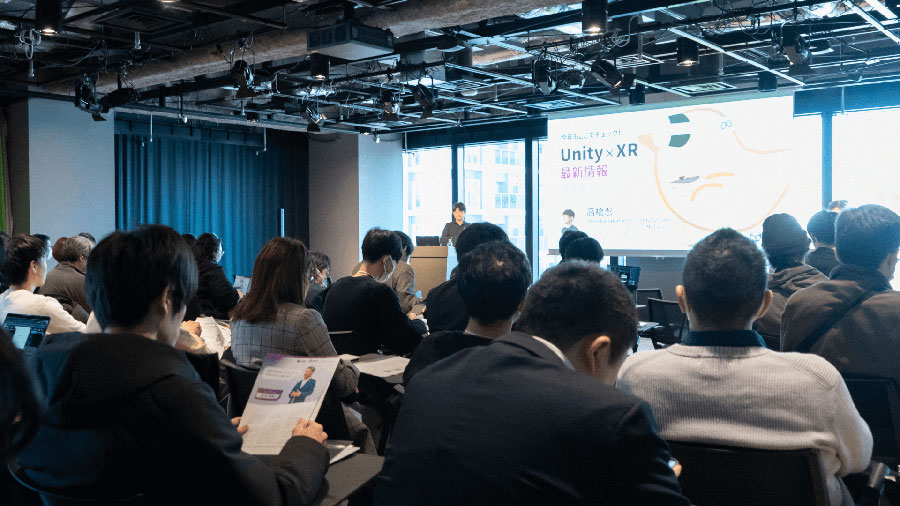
x=286, y=389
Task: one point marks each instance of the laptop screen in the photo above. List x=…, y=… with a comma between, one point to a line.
x=242, y=283
x=27, y=330
x=628, y=274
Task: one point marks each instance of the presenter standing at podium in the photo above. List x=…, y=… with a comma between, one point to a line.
x=456, y=226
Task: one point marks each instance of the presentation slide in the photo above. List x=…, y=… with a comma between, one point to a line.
x=655, y=182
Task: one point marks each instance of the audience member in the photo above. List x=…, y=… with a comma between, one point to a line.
x=567, y=239
x=367, y=307
x=852, y=319
x=57, y=252
x=586, y=248
x=20, y=412
x=444, y=308
x=403, y=280
x=272, y=319
x=455, y=226
x=786, y=244
x=320, y=280
x=722, y=386
x=65, y=282
x=821, y=230
x=492, y=280
x=129, y=414
x=48, y=244
x=216, y=295
x=533, y=417
x=25, y=269
x=89, y=237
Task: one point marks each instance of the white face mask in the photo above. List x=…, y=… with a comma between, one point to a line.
x=387, y=266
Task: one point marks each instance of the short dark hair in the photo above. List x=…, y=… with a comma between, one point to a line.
x=586, y=248
x=405, y=242
x=279, y=276
x=89, y=237
x=568, y=238
x=21, y=250
x=378, y=243
x=837, y=204
x=866, y=235
x=319, y=260
x=577, y=299
x=478, y=233
x=43, y=237
x=492, y=280
x=569, y=212
x=127, y=271
x=207, y=246
x=460, y=206
x=725, y=279
x=821, y=227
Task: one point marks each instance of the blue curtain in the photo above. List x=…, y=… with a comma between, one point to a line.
x=196, y=186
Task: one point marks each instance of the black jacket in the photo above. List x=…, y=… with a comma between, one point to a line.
x=217, y=296
x=783, y=284
x=866, y=342
x=371, y=311
x=510, y=424
x=445, y=309
x=439, y=345
x=127, y=414
x=65, y=283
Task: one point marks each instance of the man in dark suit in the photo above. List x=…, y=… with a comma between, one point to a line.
x=533, y=417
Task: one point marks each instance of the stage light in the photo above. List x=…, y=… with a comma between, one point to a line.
x=242, y=74
x=687, y=52
x=794, y=47
x=311, y=115
x=637, y=95
x=252, y=117
x=607, y=71
x=390, y=105
x=48, y=16
x=319, y=67
x=594, y=16
x=767, y=82
x=541, y=76
x=425, y=98
x=575, y=79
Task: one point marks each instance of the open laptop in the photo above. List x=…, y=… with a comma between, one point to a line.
x=629, y=275
x=27, y=330
x=242, y=283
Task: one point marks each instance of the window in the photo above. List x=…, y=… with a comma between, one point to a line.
x=493, y=186
x=426, y=191
x=866, y=171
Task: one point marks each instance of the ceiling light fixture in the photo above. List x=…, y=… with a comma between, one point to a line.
x=575, y=79
x=794, y=47
x=313, y=117
x=594, y=16
x=390, y=105
x=425, y=98
x=607, y=71
x=542, y=77
x=319, y=66
x=48, y=16
x=242, y=74
x=687, y=52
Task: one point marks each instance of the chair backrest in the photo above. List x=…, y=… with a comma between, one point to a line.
x=642, y=295
x=240, y=386
x=716, y=475
x=331, y=416
x=671, y=320
x=878, y=403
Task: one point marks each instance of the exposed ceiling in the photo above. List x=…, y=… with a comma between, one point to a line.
x=452, y=62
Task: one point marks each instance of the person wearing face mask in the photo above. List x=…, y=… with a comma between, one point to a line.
x=319, y=280
x=363, y=313
x=25, y=269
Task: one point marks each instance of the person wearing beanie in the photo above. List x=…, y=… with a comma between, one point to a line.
x=786, y=245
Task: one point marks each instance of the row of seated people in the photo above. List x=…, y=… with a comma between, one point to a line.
x=467, y=419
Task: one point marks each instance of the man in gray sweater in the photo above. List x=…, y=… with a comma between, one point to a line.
x=722, y=386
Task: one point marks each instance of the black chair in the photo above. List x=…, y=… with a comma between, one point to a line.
x=878, y=402
x=672, y=323
x=240, y=385
x=642, y=295
x=722, y=475
x=75, y=496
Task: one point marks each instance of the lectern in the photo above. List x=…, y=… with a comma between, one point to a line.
x=431, y=266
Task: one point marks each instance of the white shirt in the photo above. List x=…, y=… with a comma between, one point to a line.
x=25, y=302
x=556, y=351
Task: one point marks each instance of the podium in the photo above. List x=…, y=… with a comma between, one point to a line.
x=431, y=266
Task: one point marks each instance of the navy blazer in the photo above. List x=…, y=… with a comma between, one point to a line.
x=508, y=423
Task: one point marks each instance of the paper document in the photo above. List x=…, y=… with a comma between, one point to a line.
x=383, y=368
x=213, y=336
x=346, y=357
x=339, y=450
x=286, y=390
